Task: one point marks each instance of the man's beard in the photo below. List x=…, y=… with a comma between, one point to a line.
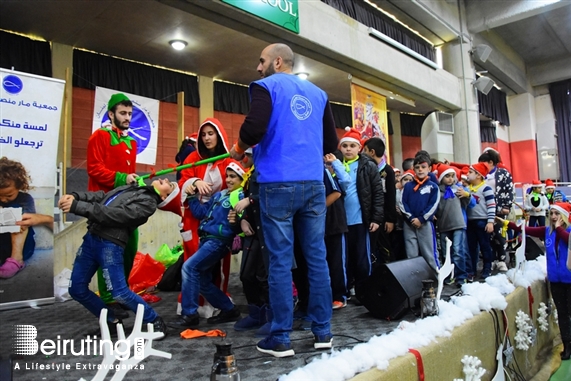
x=269, y=71
x=117, y=124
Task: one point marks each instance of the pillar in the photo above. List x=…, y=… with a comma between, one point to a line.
x=206, y=94
x=522, y=132
x=396, y=148
x=457, y=60
x=62, y=58
x=547, y=150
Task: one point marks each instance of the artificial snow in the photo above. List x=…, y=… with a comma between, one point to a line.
x=379, y=350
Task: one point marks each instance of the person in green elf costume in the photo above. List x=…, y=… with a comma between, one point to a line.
x=111, y=157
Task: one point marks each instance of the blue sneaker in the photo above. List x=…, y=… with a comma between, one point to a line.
x=323, y=341
x=272, y=347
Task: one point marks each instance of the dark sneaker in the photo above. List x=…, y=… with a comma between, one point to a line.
x=225, y=316
x=323, y=341
x=272, y=347
x=117, y=311
x=485, y=273
x=185, y=321
x=160, y=326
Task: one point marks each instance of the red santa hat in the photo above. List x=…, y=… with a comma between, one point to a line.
x=563, y=208
x=396, y=170
x=442, y=170
x=172, y=203
x=193, y=137
x=537, y=184
x=408, y=172
x=237, y=167
x=549, y=184
x=481, y=168
x=464, y=173
x=352, y=135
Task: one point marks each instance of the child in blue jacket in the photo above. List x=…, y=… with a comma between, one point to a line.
x=217, y=230
x=420, y=200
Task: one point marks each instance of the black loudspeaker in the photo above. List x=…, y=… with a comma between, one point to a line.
x=395, y=287
x=533, y=248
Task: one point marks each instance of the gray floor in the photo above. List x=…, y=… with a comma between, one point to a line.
x=191, y=359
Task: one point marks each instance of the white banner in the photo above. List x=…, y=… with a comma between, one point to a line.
x=30, y=114
x=144, y=122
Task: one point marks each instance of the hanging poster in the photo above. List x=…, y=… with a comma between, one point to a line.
x=30, y=114
x=370, y=114
x=144, y=122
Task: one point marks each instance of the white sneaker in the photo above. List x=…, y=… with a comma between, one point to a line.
x=494, y=265
x=501, y=266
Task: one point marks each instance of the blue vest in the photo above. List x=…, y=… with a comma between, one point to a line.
x=556, y=260
x=292, y=148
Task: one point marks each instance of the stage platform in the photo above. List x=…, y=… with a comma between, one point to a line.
x=374, y=344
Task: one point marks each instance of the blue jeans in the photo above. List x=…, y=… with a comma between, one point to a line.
x=459, y=251
x=477, y=236
x=197, y=277
x=287, y=209
x=97, y=252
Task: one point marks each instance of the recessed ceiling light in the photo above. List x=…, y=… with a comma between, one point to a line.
x=178, y=44
x=302, y=75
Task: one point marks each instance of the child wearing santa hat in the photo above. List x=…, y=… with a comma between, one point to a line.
x=557, y=254
x=480, y=221
x=112, y=217
x=364, y=204
x=553, y=195
x=218, y=227
x=536, y=204
x=451, y=216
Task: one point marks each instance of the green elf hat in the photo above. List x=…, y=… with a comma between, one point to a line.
x=116, y=98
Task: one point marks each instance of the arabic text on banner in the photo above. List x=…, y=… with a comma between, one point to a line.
x=30, y=114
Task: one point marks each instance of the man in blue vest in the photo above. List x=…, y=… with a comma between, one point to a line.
x=291, y=124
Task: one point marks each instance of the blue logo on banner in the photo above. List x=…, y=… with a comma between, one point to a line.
x=140, y=128
x=12, y=84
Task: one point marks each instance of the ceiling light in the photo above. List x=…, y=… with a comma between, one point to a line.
x=178, y=44
x=302, y=76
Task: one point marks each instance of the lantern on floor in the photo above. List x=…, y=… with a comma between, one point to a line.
x=224, y=366
x=428, y=302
